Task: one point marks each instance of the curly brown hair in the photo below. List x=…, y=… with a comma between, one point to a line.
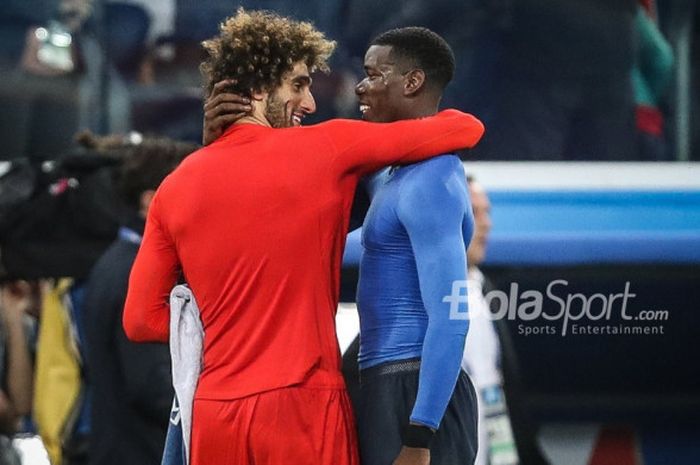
x=256, y=48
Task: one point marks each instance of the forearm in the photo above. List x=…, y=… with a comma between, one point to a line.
x=365, y=147
x=440, y=366
x=445, y=335
x=146, y=313
x=19, y=368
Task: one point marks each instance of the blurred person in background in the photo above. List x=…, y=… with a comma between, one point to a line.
x=552, y=80
x=36, y=34
x=651, y=76
x=131, y=383
x=18, y=299
x=40, y=70
x=504, y=435
x=482, y=350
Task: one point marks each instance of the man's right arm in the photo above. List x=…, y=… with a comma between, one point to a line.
x=363, y=147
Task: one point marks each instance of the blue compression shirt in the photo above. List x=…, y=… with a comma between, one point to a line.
x=414, y=247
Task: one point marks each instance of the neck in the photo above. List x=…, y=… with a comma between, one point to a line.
x=257, y=116
x=420, y=108
x=254, y=119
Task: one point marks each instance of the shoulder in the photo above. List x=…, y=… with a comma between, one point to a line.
x=442, y=164
x=442, y=175
x=435, y=189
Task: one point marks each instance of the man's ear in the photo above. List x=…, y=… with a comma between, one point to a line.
x=414, y=81
x=258, y=95
x=145, y=201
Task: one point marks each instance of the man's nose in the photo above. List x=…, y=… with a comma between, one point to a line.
x=361, y=87
x=309, y=103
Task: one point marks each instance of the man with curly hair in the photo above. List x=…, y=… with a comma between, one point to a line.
x=256, y=223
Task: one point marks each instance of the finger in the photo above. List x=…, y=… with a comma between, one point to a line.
x=220, y=86
x=227, y=97
x=223, y=83
x=226, y=108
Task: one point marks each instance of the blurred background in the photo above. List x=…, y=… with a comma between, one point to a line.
x=590, y=161
x=575, y=80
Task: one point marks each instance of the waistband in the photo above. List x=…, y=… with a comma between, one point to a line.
x=410, y=365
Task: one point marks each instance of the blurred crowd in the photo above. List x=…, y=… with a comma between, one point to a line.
x=67, y=371
x=552, y=80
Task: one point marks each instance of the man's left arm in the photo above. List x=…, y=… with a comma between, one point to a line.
x=154, y=273
x=433, y=213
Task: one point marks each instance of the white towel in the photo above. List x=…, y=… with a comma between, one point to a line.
x=186, y=342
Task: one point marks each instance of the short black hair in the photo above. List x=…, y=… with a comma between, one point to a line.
x=426, y=49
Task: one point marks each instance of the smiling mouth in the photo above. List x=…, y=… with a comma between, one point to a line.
x=364, y=108
x=297, y=118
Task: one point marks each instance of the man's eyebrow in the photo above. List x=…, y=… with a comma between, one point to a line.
x=303, y=79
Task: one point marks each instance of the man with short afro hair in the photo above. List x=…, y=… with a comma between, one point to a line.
x=256, y=223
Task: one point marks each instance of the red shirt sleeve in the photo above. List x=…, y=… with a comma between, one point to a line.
x=155, y=272
x=365, y=147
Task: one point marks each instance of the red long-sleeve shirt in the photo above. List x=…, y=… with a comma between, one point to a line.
x=257, y=224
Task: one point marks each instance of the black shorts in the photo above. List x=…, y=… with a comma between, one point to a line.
x=387, y=395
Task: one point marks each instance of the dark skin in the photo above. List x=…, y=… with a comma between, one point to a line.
x=221, y=110
x=393, y=89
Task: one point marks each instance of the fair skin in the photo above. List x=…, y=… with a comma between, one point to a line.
x=481, y=207
x=16, y=300
x=285, y=106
